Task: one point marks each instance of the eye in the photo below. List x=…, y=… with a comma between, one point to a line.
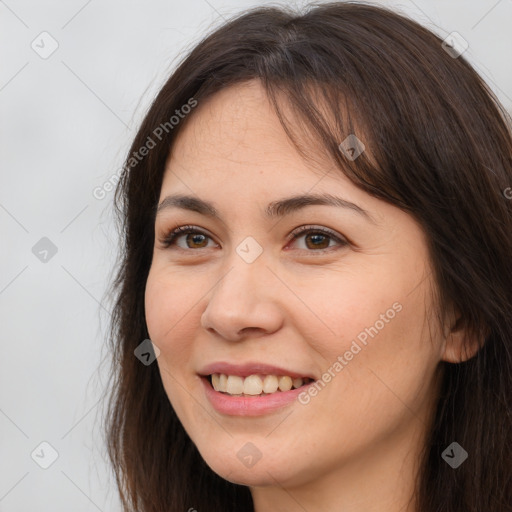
x=317, y=239
x=194, y=236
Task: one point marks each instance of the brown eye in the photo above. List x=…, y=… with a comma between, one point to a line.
x=195, y=239
x=317, y=239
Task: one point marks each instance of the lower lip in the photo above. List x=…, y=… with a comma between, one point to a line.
x=249, y=405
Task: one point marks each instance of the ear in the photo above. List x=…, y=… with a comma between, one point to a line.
x=459, y=343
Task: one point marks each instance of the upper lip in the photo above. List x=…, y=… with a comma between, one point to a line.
x=249, y=368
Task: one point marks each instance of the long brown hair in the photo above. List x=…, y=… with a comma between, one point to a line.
x=441, y=149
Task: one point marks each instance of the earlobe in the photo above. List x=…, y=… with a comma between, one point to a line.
x=460, y=344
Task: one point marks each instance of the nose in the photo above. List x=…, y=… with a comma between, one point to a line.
x=244, y=302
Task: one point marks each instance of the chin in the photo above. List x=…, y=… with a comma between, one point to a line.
x=249, y=478
x=261, y=474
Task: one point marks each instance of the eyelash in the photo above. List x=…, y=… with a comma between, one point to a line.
x=170, y=239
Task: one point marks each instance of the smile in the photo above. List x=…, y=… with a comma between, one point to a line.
x=255, y=385
x=241, y=404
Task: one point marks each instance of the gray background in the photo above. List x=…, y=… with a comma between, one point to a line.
x=66, y=123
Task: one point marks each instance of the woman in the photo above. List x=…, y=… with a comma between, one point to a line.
x=317, y=244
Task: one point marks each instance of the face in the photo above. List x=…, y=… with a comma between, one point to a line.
x=343, y=303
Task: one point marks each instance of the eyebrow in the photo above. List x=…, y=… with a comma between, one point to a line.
x=275, y=209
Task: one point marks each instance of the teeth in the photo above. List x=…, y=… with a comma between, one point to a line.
x=285, y=383
x=235, y=385
x=255, y=384
x=297, y=383
x=270, y=384
x=223, y=383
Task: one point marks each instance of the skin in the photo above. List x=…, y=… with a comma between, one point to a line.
x=353, y=447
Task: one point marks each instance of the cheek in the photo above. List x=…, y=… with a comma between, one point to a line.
x=157, y=303
x=335, y=313
x=169, y=310
x=387, y=379
x=376, y=347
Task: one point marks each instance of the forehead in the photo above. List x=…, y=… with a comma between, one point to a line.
x=235, y=134
x=236, y=125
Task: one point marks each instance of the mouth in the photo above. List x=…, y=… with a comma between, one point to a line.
x=256, y=385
